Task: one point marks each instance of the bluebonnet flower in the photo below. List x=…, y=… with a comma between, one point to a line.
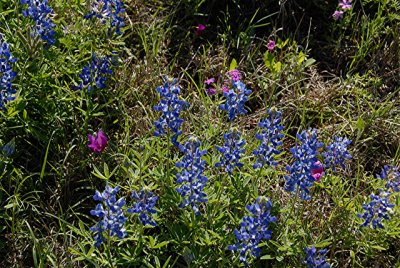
x=300, y=172
x=111, y=214
x=376, y=210
x=253, y=229
x=231, y=151
x=337, y=152
x=7, y=75
x=8, y=149
x=109, y=11
x=144, y=206
x=170, y=106
x=270, y=139
x=235, y=100
x=94, y=75
x=191, y=178
x=316, y=259
x=392, y=175
x=40, y=12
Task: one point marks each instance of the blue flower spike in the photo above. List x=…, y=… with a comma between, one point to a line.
x=337, y=153
x=253, y=229
x=392, y=176
x=300, y=177
x=144, y=206
x=109, y=11
x=270, y=139
x=170, y=107
x=41, y=13
x=191, y=178
x=231, y=151
x=235, y=100
x=94, y=76
x=316, y=259
x=7, y=74
x=378, y=209
x=111, y=215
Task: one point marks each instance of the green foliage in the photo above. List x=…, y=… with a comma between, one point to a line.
x=342, y=80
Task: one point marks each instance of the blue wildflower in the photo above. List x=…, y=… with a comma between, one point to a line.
x=392, y=175
x=191, y=178
x=6, y=74
x=94, y=75
x=40, y=12
x=316, y=259
x=376, y=210
x=270, y=139
x=111, y=214
x=8, y=149
x=337, y=152
x=300, y=172
x=231, y=151
x=253, y=229
x=235, y=100
x=144, y=206
x=108, y=11
x=170, y=106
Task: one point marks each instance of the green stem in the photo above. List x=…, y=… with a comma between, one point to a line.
x=109, y=249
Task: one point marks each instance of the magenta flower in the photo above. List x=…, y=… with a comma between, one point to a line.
x=209, y=81
x=225, y=86
x=97, y=144
x=337, y=15
x=271, y=45
x=345, y=4
x=234, y=75
x=317, y=170
x=211, y=91
x=199, y=29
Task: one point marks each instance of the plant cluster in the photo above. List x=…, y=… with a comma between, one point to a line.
x=269, y=165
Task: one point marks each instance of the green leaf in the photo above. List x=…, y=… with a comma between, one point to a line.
x=267, y=257
x=278, y=66
x=269, y=60
x=167, y=262
x=378, y=247
x=159, y=245
x=106, y=171
x=360, y=124
x=323, y=244
x=233, y=65
x=301, y=58
x=309, y=62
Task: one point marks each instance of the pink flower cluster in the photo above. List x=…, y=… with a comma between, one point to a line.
x=317, y=171
x=271, y=45
x=233, y=75
x=344, y=5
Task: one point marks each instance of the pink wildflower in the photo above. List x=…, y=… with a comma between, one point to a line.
x=199, y=29
x=345, y=4
x=209, y=81
x=234, y=75
x=97, y=144
x=271, y=45
x=211, y=91
x=317, y=171
x=225, y=87
x=337, y=15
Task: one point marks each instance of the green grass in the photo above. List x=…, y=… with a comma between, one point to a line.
x=339, y=77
